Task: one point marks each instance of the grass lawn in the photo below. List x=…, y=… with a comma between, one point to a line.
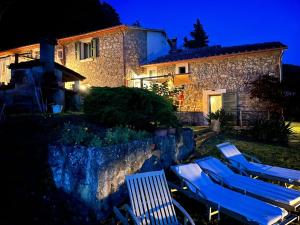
x=284, y=156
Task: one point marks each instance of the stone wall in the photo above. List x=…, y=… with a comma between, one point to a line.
x=227, y=74
x=115, y=50
x=105, y=70
x=96, y=176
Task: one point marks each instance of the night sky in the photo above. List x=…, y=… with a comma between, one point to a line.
x=227, y=22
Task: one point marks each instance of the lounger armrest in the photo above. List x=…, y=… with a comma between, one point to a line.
x=184, y=212
x=242, y=169
x=198, y=191
x=131, y=213
x=252, y=158
x=214, y=176
x=120, y=216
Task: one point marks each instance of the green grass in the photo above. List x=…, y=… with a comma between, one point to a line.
x=295, y=137
x=284, y=156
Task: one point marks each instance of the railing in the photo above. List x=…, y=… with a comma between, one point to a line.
x=239, y=117
x=247, y=117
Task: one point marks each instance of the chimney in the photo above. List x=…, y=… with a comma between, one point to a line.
x=173, y=45
x=47, y=50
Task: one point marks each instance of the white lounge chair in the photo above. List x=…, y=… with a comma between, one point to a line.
x=254, y=167
x=271, y=193
x=241, y=207
x=151, y=201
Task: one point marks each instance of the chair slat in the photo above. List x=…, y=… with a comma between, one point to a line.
x=164, y=200
x=156, y=201
x=148, y=201
x=150, y=198
x=133, y=199
x=139, y=201
x=158, y=196
x=144, y=203
x=168, y=198
x=156, y=214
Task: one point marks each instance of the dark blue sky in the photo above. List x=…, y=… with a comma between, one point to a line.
x=227, y=22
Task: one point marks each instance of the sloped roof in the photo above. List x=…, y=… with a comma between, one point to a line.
x=69, y=75
x=78, y=36
x=216, y=50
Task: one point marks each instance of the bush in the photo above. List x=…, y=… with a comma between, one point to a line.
x=220, y=115
x=123, y=135
x=276, y=131
x=133, y=107
x=79, y=135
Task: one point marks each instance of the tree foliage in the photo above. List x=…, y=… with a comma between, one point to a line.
x=269, y=90
x=26, y=22
x=200, y=38
x=133, y=107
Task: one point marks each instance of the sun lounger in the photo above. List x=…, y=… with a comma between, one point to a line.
x=151, y=202
x=241, y=207
x=255, y=167
x=272, y=193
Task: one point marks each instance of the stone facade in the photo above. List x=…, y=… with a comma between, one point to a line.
x=104, y=70
x=120, y=54
x=224, y=74
x=121, y=51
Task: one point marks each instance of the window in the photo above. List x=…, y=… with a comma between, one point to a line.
x=215, y=103
x=86, y=50
x=37, y=54
x=60, y=53
x=182, y=68
x=152, y=71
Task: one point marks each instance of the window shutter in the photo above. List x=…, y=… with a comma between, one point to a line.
x=230, y=103
x=77, y=50
x=95, y=47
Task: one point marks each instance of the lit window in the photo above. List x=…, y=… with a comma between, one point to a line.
x=85, y=50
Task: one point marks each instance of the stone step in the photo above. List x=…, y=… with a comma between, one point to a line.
x=203, y=137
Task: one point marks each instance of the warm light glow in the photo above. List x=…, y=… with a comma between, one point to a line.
x=84, y=87
x=215, y=102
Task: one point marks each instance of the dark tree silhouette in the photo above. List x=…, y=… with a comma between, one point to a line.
x=200, y=38
x=25, y=22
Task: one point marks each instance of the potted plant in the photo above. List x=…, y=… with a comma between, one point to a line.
x=218, y=120
x=215, y=125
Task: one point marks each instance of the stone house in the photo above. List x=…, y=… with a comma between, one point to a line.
x=217, y=77
x=106, y=57
x=212, y=77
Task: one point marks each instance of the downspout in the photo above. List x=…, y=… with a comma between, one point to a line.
x=280, y=77
x=124, y=58
x=280, y=65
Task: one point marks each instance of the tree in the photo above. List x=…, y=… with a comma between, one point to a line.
x=26, y=22
x=269, y=90
x=200, y=38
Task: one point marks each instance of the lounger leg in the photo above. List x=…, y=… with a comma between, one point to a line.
x=288, y=185
x=211, y=213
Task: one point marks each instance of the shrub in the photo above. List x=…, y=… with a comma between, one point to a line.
x=276, y=131
x=133, y=107
x=123, y=135
x=78, y=135
x=220, y=115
